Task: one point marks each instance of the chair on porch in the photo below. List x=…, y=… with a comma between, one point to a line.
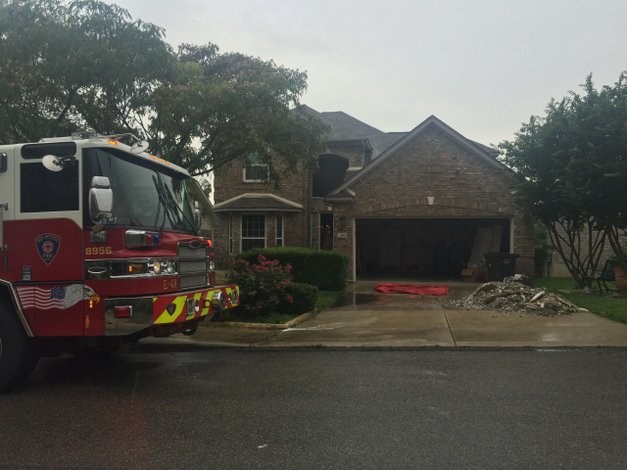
x=602, y=277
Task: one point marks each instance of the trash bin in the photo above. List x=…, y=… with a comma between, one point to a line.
x=500, y=265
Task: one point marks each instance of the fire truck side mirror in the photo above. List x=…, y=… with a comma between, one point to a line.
x=100, y=199
x=56, y=164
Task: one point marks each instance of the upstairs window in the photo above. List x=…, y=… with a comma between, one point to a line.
x=255, y=169
x=331, y=173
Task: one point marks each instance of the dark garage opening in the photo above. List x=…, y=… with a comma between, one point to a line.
x=425, y=248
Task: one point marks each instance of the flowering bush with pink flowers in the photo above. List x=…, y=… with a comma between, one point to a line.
x=262, y=285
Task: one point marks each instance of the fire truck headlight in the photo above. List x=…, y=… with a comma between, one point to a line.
x=165, y=266
x=155, y=266
x=162, y=266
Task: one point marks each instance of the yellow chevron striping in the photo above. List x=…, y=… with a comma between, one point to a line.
x=206, y=304
x=165, y=317
x=230, y=291
x=204, y=299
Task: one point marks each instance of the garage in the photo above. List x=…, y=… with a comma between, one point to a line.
x=426, y=248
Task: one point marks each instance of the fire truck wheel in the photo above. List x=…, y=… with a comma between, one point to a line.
x=18, y=353
x=190, y=331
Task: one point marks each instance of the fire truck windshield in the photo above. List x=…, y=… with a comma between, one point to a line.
x=146, y=195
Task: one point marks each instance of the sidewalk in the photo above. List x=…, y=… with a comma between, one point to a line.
x=368, y=319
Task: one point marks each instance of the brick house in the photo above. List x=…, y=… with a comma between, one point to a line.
x=424, y=204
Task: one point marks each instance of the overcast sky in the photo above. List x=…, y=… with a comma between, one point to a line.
x=482, y=66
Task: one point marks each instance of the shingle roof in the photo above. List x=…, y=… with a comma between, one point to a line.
x=491, y=150
x=346, y=127
x=482, y=151
x=257, y=202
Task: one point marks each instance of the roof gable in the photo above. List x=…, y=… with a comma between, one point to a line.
x=483, y=152
x=257, y=202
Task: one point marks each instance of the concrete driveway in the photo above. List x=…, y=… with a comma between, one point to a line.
x=367, y=318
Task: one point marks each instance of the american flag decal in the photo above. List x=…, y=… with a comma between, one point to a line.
x=57, y=297
x=57, y=293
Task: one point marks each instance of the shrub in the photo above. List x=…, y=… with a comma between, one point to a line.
x=324, y=269
x=262, y=285
x=303, y=298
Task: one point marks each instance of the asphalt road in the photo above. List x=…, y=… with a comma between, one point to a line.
x=319, y=409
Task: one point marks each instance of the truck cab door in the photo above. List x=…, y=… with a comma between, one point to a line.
x=48, y=262
x=48, y=215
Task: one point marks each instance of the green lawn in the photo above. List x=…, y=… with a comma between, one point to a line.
x=605, y=305
x=326, y=299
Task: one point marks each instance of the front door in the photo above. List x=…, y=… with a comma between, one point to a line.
x=326, y=231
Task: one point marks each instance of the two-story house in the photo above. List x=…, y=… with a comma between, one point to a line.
x=425, y=203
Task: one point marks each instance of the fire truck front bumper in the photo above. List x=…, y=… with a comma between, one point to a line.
x=129, y=315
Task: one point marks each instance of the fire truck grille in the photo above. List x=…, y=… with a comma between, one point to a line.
x=193, y=265
x=196, y=280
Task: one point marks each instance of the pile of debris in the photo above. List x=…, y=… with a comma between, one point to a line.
x=513, y=295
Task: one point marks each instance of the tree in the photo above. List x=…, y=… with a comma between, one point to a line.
x=572, y=168
x=223, y=107
x=85, y=64
x=73, y=66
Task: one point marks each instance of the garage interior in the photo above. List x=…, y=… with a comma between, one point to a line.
x=426, y=248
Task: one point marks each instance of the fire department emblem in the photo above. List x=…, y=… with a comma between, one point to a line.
x=48, y=246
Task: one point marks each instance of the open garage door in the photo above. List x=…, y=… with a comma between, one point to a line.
x=426, y=248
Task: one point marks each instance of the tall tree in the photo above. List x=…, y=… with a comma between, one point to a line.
x=572, y=165
x=223, y=107
x=86, y=64
x=69, y=66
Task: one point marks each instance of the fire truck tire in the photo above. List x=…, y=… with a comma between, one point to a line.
x=190, y=331
x=18, y=353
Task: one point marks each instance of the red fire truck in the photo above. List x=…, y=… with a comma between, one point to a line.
x=100, y=245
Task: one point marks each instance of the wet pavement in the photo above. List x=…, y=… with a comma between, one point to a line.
x=364, y=318
x=156, y=408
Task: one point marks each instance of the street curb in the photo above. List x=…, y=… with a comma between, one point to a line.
x=200, y=345
x=264, y=326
